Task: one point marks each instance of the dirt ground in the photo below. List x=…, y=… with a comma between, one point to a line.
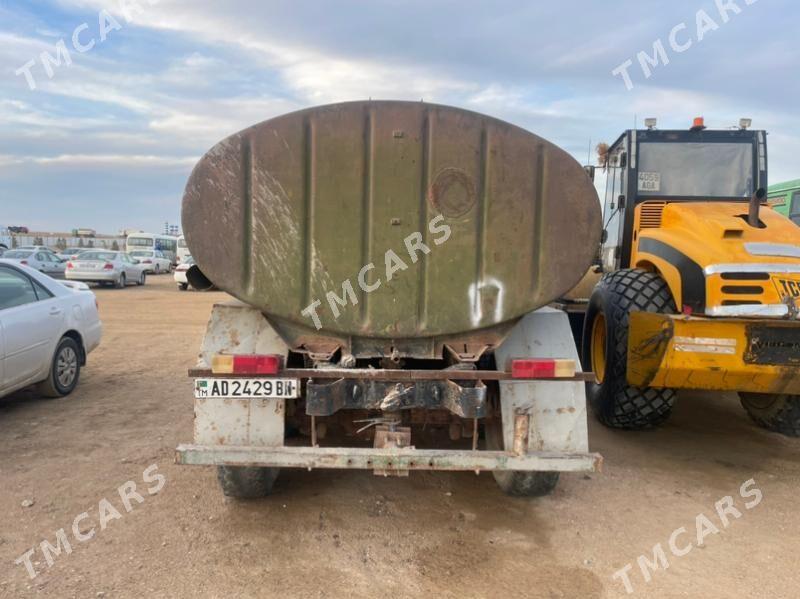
x=351, y=534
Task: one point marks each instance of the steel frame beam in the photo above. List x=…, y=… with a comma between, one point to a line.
x=380, y=374
x=367, y=458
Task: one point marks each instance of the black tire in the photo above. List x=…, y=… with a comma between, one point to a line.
x=142, y=279
x=616, y=403
x=774, y=411
x=121, y=282
x=514, y=482
x=246, y=482
x=65, y=369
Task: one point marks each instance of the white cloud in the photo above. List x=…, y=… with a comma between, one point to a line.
x=99, y=160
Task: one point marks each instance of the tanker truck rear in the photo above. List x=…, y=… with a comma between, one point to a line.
x=391, y=264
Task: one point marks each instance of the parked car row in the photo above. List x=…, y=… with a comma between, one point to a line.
x=48, y=327
x=64, y=264
x=47, y=330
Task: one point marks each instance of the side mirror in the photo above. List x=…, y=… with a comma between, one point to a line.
x=589, y=170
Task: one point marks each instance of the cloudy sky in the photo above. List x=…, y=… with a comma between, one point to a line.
x=108, y=141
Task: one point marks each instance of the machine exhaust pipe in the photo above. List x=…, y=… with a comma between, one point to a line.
x=197, y=279
x=755, y=206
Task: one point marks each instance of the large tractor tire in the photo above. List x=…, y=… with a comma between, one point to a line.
x=246, y=482
x=514, y=482
x=774, y=411
x=605, y=349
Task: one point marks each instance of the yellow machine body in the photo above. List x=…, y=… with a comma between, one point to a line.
x=737, y=289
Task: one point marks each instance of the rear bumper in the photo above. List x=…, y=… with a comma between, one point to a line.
x=406, y=458
x=723, y=354
x=92, y=276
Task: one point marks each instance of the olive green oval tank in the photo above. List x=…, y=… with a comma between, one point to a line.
x=391, y=220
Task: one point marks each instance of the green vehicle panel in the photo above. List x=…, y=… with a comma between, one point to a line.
x=286, y=212
x=785, y=197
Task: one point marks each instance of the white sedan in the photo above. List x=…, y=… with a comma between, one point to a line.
x=180, y=272
x=153, y=260
x=47, y=328
x=42, y=260
x=101, y=266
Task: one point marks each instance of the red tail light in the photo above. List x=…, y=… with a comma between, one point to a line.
x=23, y=262
x=147, y=261
x=542, y=368
x=108, y=266
x=247, y=364
x=70, y=265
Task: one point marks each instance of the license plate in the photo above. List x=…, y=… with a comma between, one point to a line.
x=247, y=388
x=787, y=287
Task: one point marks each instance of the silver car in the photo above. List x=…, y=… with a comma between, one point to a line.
x=154, y=261
x=42, y=260
x=106, y=267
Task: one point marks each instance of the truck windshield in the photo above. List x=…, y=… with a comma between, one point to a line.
x=705, y=170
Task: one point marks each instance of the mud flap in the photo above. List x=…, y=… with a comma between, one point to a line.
x=235, y=327
x=555, y=411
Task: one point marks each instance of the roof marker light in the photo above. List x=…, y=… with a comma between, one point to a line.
x=698, y=124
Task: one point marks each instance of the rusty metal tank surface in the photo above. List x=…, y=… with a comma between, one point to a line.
x=290, y=209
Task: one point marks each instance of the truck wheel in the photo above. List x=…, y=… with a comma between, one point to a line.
x=246, y=482
x=774, y=411
x=515, y=482
x=605, y=349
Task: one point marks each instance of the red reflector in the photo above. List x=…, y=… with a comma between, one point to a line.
x=533, y=369
x=687, y=310
x=147, y=261
x=254, y=364
x=109, y=266
x=23, y=261
x=542, y=368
